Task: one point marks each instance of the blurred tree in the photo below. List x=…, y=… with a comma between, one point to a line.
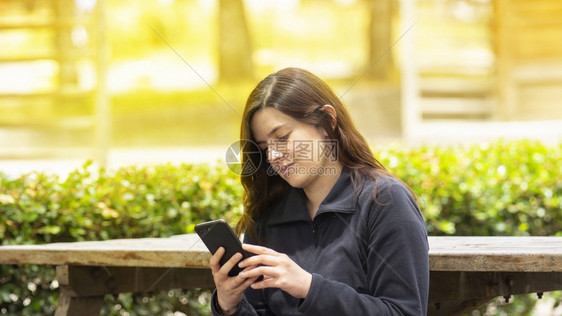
x=235, y=49
x=68, y=75
x=380, y=39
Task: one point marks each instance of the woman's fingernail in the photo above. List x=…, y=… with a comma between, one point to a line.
x=242, y=274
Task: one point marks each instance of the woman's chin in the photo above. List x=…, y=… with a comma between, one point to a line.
x=294, y=180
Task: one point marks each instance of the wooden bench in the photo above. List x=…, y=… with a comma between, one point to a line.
x=465, y=271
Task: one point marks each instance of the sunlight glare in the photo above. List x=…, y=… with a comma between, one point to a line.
x=264, y=5
x=85, y=5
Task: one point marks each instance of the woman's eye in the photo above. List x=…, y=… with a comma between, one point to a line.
x=285, y=137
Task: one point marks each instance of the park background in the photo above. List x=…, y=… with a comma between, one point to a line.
x=455, y=96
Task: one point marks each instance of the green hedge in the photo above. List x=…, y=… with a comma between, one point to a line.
x=93, y=204
x=502, y=188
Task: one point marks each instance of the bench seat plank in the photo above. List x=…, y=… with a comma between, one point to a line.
x=517, y=254
x=450, y=253
x=177, y=251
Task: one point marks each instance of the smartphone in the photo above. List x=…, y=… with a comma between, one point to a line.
x=217, y=234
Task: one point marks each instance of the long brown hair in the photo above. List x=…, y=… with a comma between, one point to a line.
x=301, y=95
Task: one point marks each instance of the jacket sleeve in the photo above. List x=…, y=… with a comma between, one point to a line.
x=252, y=303
x=244, y=308
x=397, y=263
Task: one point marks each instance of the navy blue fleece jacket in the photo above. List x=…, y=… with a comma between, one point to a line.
x=367, y=256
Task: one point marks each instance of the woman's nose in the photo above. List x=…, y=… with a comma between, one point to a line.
x=274, y=155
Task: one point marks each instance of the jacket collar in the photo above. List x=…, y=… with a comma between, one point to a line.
x=340, y=199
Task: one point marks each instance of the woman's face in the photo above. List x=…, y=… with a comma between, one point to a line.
x=298, y=152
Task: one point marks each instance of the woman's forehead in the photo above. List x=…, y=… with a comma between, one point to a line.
x=267, y=117
x=267, y=121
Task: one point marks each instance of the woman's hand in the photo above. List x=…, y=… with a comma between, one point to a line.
x=229, y=289
x=278, y=271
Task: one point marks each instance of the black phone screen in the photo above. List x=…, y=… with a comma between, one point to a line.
x=217, y=233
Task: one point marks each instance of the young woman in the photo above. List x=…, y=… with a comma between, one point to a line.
x=332, y=231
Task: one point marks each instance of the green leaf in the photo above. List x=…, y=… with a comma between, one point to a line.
x=51, y=230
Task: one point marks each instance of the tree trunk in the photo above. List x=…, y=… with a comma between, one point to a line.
x=380, y=40
x=68, y=74
x=235, y=51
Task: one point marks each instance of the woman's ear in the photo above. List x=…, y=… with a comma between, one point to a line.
x=330, y=110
